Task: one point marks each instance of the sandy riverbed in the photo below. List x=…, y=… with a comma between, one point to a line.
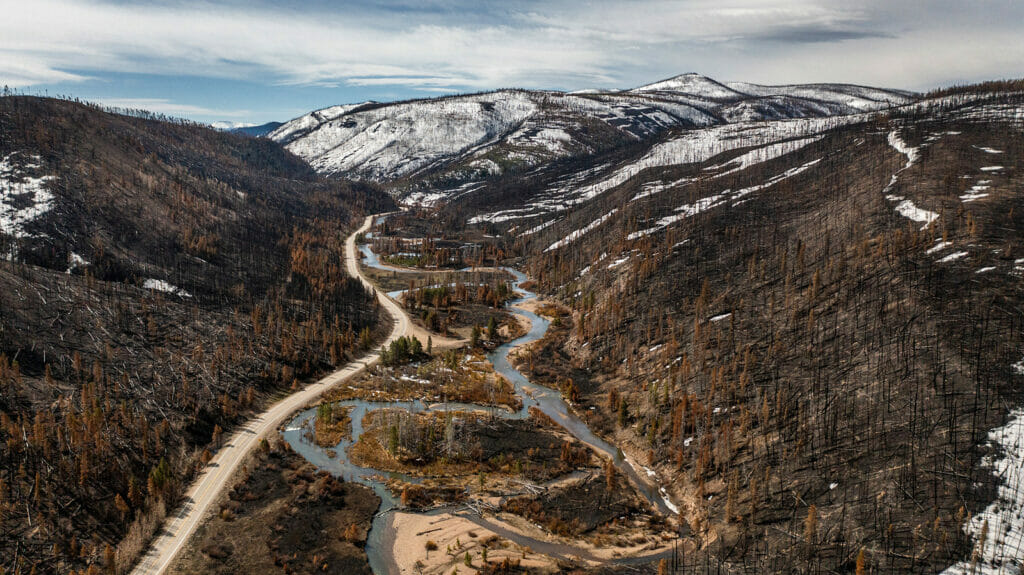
x=456, y=534
x=451, y=532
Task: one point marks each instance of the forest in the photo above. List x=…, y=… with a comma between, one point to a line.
x=810, y=347
x=174, y=281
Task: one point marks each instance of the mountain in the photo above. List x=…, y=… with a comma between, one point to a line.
x=254, y=130
x=260, y=131
x=228, y=125
x=159, y=282
x=431, y=150
x=808, y=329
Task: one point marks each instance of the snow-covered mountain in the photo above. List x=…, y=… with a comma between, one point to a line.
x=254, y=130
x=228, y=125
x=486, y=133
x=436, y=148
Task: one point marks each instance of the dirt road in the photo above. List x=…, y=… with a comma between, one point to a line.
x=206, y=489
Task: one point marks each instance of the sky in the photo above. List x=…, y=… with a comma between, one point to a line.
x=256, y=61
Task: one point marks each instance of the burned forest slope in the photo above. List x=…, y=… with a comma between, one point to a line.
x=159, y=281
x=807, y=331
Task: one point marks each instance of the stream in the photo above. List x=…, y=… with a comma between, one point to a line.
x=547, y=400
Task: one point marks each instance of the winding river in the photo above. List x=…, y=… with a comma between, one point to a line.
x=547, y=400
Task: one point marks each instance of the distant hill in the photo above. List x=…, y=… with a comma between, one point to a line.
x=432, y=150
x=256, y=131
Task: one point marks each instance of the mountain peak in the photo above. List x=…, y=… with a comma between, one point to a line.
x=691, y=83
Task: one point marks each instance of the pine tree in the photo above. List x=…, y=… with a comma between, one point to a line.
x=609, y=476
x=122, y=506
x=109, y=557
x=811, y=525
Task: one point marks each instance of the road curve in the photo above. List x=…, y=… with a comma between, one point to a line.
x=205, y=490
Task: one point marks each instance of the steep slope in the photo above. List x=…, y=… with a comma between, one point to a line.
x=809, y=330
x=159, y=282
x=474, y=135
x=808, y=338
x=434, y=150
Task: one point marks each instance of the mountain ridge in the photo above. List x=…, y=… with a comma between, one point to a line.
x=467, y=138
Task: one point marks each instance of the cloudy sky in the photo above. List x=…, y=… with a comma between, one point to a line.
x=256, y=60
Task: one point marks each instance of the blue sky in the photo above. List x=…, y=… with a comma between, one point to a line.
x=255, y=61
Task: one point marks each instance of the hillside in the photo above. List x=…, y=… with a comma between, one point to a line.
x=444, y=148
x=159, y=282
x=809, y=329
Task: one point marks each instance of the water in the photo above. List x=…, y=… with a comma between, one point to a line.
x=370, y=259
x=547, y=400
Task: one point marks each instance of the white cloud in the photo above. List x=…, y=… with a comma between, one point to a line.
x=163, y=106
x=520, y=43
x=18, y=71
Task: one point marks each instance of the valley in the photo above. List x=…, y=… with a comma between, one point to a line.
x=765, y=328
x=358, y=460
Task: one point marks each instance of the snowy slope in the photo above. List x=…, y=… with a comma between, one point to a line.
x=393, y=141
x=387, y=142
x=451, y=142
x=24, y=197
x=859, y=98
x=694, y=84
x=770, y=139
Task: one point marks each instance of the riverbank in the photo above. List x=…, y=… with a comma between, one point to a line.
x=644, y=533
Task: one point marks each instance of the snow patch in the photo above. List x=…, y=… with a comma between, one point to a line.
x=902, y=147
x=989, y=150
x=538, y=228
x=651, y=188
x=951, y=257
x=907, y=209
x=668, y=502
x=763, y=154
x=23, y=197
x=75, y=261
x=618, y=262
x=581, y=232
x=161, y=285
x=1002, y=520
x=976, y=192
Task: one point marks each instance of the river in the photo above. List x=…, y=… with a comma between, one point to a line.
x=548, y=401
